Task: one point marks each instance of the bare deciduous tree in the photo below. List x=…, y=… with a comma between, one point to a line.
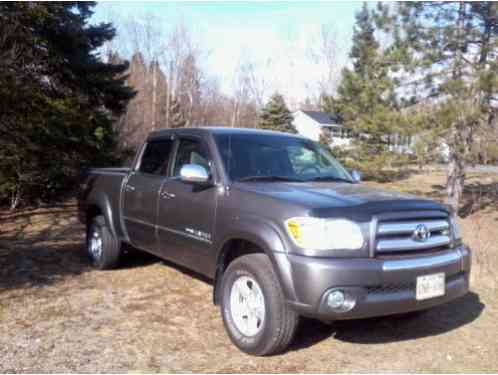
x=181, y=57
x=324, y=53
x=144, y=35
x=242, y=92
x=259, y=80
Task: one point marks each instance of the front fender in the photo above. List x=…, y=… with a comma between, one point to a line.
x=268, y=237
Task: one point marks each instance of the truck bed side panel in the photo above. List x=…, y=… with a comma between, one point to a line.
x=102, y=188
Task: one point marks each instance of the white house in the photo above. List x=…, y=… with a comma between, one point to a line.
x=311, y=124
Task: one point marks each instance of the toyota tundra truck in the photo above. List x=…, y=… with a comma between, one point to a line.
x=279, y=226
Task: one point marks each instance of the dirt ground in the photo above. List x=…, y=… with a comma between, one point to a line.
x=59, y=315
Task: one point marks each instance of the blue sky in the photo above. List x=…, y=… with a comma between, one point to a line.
x=277, y=37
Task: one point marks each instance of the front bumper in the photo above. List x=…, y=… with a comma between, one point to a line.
x=378, y=286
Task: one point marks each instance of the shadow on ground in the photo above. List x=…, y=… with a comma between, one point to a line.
x=477, y=196
x=134, y=258
x=38, y=265
x=44, y=246
x=435, y=321
x=34, y=265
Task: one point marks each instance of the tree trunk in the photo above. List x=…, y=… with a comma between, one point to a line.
x=455, y=180
x=169, y=93
x=154, y=93
x=16, y=198
x=235, y=114
x=190, y=110
x=456, y=163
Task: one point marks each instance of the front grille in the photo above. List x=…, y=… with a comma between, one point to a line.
x=411, y=232
x=411, y=254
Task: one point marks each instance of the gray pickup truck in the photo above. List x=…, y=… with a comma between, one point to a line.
x=281, y=228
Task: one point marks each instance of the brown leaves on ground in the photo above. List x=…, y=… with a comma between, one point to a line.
x=57, y=314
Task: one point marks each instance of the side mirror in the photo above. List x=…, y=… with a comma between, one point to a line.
x=356, y=176
x=194, y=174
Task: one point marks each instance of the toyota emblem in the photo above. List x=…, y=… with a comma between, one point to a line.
x=421, y=233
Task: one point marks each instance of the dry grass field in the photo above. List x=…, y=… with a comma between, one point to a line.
x=59, y=315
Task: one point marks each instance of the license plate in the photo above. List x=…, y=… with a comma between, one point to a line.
x=430, y=286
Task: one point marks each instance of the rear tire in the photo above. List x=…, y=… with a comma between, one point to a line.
x=276, y=322
x=101, y=245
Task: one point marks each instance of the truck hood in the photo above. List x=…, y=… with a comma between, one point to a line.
x=321, y=196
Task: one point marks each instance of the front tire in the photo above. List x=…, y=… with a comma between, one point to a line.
x=101, y=245
x=254, y=310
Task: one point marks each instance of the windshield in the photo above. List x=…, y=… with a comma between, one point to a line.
x=262, y=157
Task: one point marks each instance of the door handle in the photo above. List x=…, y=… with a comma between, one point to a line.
x=130, y=188
x=167, y=195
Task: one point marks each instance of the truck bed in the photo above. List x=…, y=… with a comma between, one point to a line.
x=98, y=185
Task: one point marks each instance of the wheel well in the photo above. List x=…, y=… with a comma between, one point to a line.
x=236, y=248
x=231, y=250
x=91, y=212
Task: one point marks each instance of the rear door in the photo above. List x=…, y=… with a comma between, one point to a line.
x=141, y=194
x=187, y=212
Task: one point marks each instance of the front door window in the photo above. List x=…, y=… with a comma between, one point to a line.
x=190, y=152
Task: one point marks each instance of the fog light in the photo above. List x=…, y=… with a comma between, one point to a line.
x=336, y=299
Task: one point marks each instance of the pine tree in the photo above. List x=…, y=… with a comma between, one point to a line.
x=57, y=97
x=276, y=116
x=365, y=100
x=449, y=59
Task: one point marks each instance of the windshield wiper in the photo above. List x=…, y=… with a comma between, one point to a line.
x=330, y=178
x=269, y=178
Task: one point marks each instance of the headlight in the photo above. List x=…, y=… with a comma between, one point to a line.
x=325, y=234
x=455, y=231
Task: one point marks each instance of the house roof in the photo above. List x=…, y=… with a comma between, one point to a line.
x=323, y=118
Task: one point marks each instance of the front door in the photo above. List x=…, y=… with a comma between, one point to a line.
x=141, y=195
x=186, y=216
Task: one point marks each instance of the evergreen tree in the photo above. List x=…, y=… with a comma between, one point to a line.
x=276, y=116
x=449, y=51
x=365, y=100
x=57, y=97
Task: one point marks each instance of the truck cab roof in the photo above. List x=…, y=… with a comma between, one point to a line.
x=217, y=130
